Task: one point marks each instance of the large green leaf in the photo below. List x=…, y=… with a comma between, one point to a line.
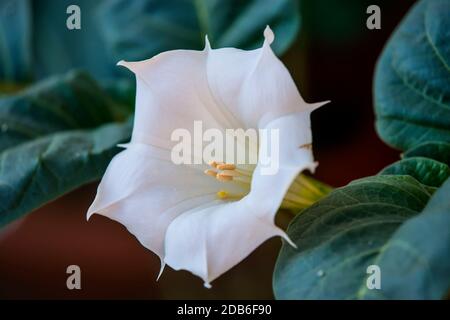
x=136, y=30
x=36, y=172
x=417, y=259
x=55, y=136
x=412, y=87
x=439, y=151
x=372, y=221
x=69, y=102
x=426, y=171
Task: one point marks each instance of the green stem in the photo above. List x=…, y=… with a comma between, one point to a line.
x=303, y=192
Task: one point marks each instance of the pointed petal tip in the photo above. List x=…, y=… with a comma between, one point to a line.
x=288, y=240
x=312, y=166
x=269, y=36
x=92, y=209
x=207, y=285
x=281, y=233
x=129, y=65
x=317, y=105
x=89, y=215
x=207, y=44
x=163, y=264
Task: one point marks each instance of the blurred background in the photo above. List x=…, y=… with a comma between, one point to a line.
x=332, y=58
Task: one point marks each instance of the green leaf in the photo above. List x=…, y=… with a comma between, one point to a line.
x=372, y=221
x=135, y=30
x=15, y=41
x=426, y=171
x=412, y=87
x=185, y=23
x=439, y=151
x=72, y=101
x=55, y=136
x=58, y=49
x=418, y=258
x=40, y=170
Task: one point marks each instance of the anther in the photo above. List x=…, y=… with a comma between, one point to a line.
x=231, y=173
x=223, y=177
x=226, y=166
x=210, y=172
x=212, y=164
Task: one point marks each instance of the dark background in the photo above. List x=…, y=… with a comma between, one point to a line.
x=333, y=59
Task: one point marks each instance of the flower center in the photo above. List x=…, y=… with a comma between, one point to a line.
x=227, y=172
x=302, y=193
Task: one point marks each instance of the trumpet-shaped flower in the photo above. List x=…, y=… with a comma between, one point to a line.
x=207, y=218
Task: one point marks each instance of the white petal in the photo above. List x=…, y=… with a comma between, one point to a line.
x=295, y=133
x=269, y=36
x=254, y=85
x=210, y=241
x=173, y=210
x=225, y=88
x=172, y=92
x=144, y=191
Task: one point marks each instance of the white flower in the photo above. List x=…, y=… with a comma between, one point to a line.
x=191, y=220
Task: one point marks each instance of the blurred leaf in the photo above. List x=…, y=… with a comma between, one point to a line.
x=68, y=102
x=371, y=221
x=122, y=91
x=58, y=49
x=185, y=23
x=15, y=41
x=41, y=170
x=412, y=87
x=136, y=30
x=426, y=171
x=439, y=151
x=55, y=136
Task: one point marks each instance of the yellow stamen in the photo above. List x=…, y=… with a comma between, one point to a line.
x=223, y=177
x=226, y=172
x=231, y=173
x=222, y=194
x=210, y=172
x=303, y=192
x=225, y=195
x=213, y=164
x=226, y=166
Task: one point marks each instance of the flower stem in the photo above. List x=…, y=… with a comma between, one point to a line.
x=303, y=192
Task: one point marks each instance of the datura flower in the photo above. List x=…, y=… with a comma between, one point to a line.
x=206, y=218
